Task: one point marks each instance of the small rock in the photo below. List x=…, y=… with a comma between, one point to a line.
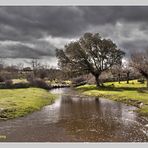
x=1, y=109
x=141, y=104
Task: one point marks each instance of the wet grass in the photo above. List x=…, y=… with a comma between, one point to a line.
x=19, y=102
x=133, y=93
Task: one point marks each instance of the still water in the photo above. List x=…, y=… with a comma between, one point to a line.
x=76, y=118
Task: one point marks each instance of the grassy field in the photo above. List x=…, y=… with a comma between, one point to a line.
x=19, y=102
x=133, y=93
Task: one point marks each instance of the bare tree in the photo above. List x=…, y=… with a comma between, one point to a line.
x=117, y=71
x=139, y=60
x=20, y=66
x=35, y=65
x=127, y=70
x=90, y=54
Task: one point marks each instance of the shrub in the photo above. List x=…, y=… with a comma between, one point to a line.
x=2, y=79
x=63, y=83
x=79, y=81
x=29, y=77
x=21, y=85
x=8, y=83
x=141, y=81
x=39, y=83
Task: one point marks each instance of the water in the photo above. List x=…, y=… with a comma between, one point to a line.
x=76, y=118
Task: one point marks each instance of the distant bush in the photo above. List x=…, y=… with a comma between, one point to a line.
x=21, y=85
x=79, y=81
x=8, y=83
x=141, y=81
x=63, y=83
x=37, y=82
x=29, y=77
x=2, y=79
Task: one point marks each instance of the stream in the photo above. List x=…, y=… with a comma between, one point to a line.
x=76, y=118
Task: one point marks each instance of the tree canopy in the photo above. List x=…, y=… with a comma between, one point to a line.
x=90, y=54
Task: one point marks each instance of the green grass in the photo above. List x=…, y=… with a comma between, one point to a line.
x=133, y=93
x=19, y=102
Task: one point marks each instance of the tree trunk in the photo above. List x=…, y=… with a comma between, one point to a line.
x=147, y=82
x=128, y=77
x=97, y=80
x=119, y=78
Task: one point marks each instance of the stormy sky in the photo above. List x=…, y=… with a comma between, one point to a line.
x=35, y=32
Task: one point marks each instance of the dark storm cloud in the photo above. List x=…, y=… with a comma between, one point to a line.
x=45, y=28
x=111, y=15
x=39, y=21
x=18, y=51
x=136, y=45
x=25, y=22
x=26, y=50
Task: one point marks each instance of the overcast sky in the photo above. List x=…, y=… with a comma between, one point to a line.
x=35, y=32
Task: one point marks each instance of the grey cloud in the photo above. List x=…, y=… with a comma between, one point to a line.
x=127, y=35
x=112, y=14
x=136, y=45
x=24, y=51
x=38, y=21
x=65, y=21
x=34, y=24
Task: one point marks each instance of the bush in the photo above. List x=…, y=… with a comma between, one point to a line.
x=2, y=79
x=63, y=83
x=79, y=81
x=39, y=83
x=21, y=85
x=141, y=81
x=8, y=83
x=29, y=77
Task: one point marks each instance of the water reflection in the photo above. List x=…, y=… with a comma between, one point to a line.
x=105, y=120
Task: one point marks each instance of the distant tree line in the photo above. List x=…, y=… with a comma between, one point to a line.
x=90, y=57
